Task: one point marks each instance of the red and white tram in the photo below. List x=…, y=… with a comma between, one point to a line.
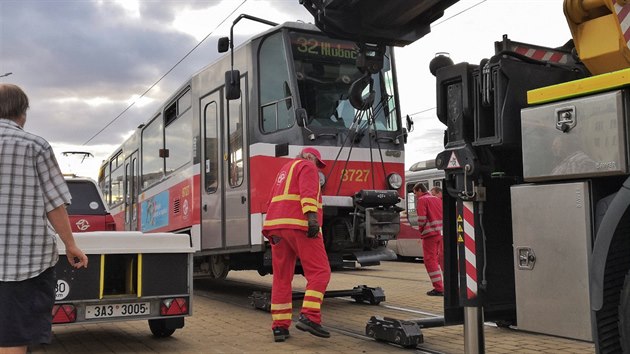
x=204, y=163
x=408, y=244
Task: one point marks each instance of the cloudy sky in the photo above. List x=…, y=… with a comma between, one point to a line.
x=84, y=62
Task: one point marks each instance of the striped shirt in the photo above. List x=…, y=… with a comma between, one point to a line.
x=31, y=185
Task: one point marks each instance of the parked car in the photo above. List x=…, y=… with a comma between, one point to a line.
x=88, y=212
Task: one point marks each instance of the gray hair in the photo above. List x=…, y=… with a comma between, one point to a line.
x=13, y=101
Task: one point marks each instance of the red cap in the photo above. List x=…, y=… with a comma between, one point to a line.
x=314, y=151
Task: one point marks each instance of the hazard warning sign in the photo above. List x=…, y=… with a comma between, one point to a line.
x=453, y=162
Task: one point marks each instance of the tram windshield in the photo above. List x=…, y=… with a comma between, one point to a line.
x=325, y=68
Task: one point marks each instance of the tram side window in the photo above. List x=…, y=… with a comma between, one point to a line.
x=116, y=180
x=387, y=120
x=152, y=143
x=212, y=147
x=103, y=183
x=178, y=133
x=276, y=104
x=235, y=144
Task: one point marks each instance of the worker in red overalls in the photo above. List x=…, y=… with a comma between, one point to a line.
x=429, y=209
x=292, y=226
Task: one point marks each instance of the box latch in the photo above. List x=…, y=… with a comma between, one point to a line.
x=565, y=118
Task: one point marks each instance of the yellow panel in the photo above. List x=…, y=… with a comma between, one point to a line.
x=102, y=280
x=580, y=87
x=139, y=274
x=599, y=45
x=598, y=35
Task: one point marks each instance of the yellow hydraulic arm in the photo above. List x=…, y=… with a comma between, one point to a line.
x=601, y=33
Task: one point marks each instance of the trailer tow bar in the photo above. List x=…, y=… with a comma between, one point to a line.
x=262, y=299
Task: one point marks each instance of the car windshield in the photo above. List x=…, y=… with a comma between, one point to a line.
x=325, y=69
x=85, y=199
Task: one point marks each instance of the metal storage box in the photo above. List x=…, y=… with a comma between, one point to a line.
x=582, y=137
x=552, y=245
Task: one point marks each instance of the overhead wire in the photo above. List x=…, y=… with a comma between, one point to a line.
x=439, y=23
x=163, y=76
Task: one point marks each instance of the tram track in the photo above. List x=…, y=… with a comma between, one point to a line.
x=236, y=293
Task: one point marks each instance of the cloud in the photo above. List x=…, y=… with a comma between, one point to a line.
x=83, y=63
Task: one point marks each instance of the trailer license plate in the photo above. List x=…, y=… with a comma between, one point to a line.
x=117, y=310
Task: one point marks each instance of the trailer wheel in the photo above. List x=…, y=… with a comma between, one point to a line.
x=219, y=266
x=158, y=328
x=624, y=315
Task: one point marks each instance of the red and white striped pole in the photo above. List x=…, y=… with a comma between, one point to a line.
x=467, y=251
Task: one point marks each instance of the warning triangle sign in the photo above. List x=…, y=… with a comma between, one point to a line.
x=460, y=229
x=452, y=162
x=459, y=218
x=460, y=239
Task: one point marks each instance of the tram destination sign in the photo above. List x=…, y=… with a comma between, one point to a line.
x=309, y=46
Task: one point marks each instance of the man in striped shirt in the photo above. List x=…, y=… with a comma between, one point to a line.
x=429, y=209
x=33, y=192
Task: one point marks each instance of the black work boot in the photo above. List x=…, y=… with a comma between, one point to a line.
x=280, y=334
x=304, y=324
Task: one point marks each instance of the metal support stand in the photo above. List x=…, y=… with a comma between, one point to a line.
x=474, y=342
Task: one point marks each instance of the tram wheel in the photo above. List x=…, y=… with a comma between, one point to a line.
x=219, y=266
x=624, y=315
x=158, y=328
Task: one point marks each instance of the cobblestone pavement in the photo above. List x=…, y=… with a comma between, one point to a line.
x=224, y=322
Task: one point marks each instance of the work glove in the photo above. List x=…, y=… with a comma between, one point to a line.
x=313, y=225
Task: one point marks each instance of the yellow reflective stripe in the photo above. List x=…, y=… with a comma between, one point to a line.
x=314, y=293
x=281, y=316
x=311, y=305
x=309, y=201
x=285, y=221
x=306, y=209
x=281, y=197
x=288, y=181
x=281, y=306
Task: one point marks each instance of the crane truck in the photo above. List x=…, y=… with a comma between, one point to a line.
x=537, y=181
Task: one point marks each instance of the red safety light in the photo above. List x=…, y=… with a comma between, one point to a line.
x=176, y=306
x=64, y=313
x=110, y=223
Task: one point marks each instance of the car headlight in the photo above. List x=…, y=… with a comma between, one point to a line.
x=394, y=181
x=322, y=178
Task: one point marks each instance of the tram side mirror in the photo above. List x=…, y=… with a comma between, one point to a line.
x=232, y=84
x=409, y=124
x=223, y=44
x=301, y=117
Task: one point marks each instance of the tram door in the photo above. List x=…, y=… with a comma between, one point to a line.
x=131, y=189
x=224, y=205
x=235, y=181
x=211, y=198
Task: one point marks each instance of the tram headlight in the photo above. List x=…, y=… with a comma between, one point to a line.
x=322, y=178
x=394, y=181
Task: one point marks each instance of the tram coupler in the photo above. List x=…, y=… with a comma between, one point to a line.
x=404, y=333
x=362, y=293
